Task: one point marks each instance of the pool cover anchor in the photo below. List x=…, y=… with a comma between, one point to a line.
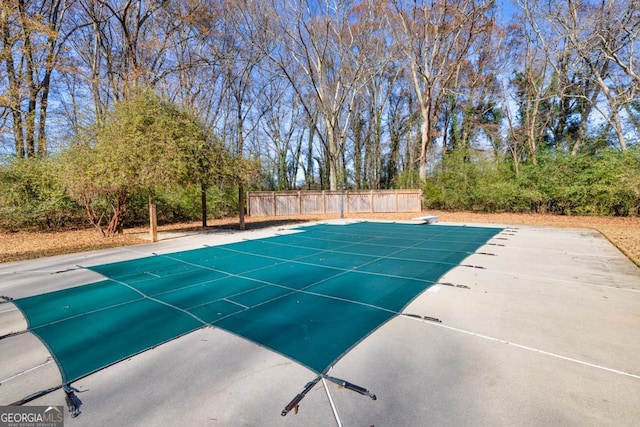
x=72, y=401
x=295, y=403
x=419, y=317
x=350, y=386
x=296, y=400
x=13, y=334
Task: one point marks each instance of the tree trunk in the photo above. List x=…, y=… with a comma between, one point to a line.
x=424, y=143
x=332, y=156
x=203, y=204
x=119, y=211
x=93, y=218
x=153, y=218
x=241, y=205
x=309, y=171
x=42, y=124
x=14, y=84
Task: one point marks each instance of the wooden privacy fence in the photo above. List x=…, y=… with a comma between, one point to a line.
x=279, y=203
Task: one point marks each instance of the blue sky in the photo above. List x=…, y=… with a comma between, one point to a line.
x=508, y=9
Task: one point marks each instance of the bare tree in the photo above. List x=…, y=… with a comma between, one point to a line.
x=374, y=48
x=402, y=121
x=619, y=34
x=582, y=26
x=128, y=45
x=473, y=115
x=436, y=37
x=317, y=53
x=282, y=126
x=532, y=90
x=32, y=36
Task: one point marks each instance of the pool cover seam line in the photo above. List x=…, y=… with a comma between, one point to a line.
x=372, y=244
x=389, y=256
x=347, y=350
x=267, y=283
x=227, y=275
x=30, y=329
x=389, y=234
x=294, y=290
x=299, y=260
x=342, y=270
x=229, y=301
x=304, y=289
x=394, y=233
x=284, y=260
x=150, y=298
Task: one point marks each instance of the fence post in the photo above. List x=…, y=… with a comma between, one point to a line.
x=371, y=201
x=346, y=197
x=324, y=203
x=299, y=202
x=273, y=205
x=396, y=201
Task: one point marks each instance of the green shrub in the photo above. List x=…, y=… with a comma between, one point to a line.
x=181, y=204
x=178, y=204
x=408, y=179
x=607, y=183
x=34, y=196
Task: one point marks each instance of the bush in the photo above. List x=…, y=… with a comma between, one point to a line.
x=604, y=184
x=34, y=196
x=607, y=183
x=178, y=204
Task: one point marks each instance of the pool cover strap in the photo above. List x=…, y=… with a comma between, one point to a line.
x=350, y=386
x=295, y=402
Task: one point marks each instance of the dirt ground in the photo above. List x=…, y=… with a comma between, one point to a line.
x=622, y=232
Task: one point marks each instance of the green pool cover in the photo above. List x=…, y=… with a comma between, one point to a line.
x=310, y=295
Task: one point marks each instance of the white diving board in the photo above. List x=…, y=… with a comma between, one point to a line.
x=429, y=219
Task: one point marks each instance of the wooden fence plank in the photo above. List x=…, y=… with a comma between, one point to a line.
x=280, y=203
